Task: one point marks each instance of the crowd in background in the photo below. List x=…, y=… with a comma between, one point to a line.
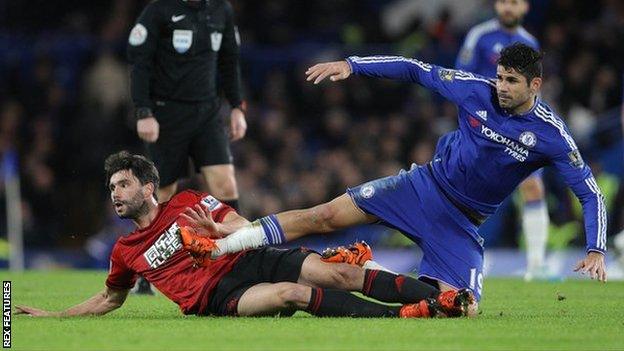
x=64, y=102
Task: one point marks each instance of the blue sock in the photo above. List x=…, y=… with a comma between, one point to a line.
x=272, y=230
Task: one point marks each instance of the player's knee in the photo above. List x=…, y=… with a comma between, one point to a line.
x=224, y=188
x=347, y=277
x=293, y=295
x=166, y=192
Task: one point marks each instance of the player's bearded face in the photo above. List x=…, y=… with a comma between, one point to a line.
x=512, y=88
x=134, y=207
x=511, y=12
x=127, y=195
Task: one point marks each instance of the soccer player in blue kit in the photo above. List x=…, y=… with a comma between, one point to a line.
x=505, y=133
x=479, y=54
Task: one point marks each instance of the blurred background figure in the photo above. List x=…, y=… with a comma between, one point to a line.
x=303, y=143
x=182, y=53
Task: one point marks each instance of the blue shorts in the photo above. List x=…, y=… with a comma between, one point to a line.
x=412, y=203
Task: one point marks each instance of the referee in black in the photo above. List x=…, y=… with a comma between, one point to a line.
x=183, y=54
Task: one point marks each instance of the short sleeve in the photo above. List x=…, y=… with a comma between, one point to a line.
x=120, y=276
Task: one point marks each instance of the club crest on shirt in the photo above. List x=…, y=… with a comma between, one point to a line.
x=575, y=159
x=528, y=139
x=367, y=191
x=446, y=74
x=167, y=244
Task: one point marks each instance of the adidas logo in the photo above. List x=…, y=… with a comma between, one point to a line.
x=482, y=114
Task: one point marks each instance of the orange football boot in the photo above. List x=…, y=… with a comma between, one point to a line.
x=450, y=303
x=426, y=308
x=454, y=303
x=198, y=245
x=356, y=254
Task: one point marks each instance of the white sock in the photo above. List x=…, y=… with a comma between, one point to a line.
x=535, y=223
x=370, y=264
x=265, y=231
x=248, y=237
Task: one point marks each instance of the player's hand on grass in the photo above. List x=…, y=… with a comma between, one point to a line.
x=238, y=124
x=148, y=129
x=337, y=70
x=201, y=220
x=34, y=312
x=594, y=265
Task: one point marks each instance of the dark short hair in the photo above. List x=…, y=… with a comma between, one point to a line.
x=524, y=59
x=140, y=166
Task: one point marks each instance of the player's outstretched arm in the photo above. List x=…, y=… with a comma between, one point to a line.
x=594, y=265
x=103, y=302
x=453, y=85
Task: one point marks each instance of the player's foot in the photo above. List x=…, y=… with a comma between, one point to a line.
x=356, y=254
x=455, y=303
x=426, y=308
x=142, y=287
x=198, y=245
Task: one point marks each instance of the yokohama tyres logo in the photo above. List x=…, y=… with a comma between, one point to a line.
x=513, y=148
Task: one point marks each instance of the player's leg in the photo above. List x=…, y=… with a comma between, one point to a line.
x=268, y=299
x=535, y=222
x=264, y=282
x=336, y=214
x=453, y=261
x=210, y=152
x=166, y=192
x=383, y=286
x=380, y=285
x=222, y=183
x=170, y=152
x=339, y=213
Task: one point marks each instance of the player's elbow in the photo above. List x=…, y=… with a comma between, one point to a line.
x=113, y=299
x=114, y=304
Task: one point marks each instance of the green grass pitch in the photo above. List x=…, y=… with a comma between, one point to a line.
x=515, y=315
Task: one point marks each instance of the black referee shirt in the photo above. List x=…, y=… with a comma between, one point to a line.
x=177, y=48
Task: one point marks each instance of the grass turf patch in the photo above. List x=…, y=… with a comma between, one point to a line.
x=575, y=314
